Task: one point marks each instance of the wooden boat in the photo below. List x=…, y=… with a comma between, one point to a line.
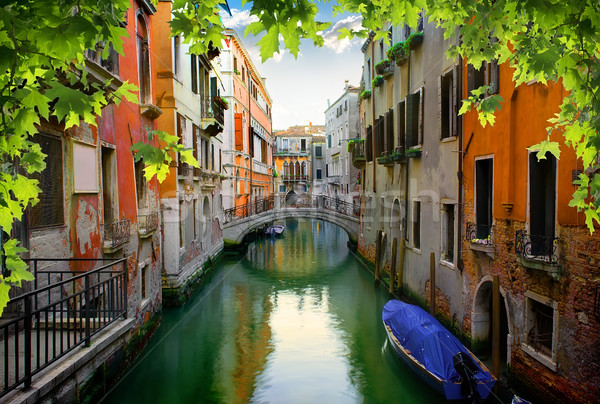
x=435, y=354
x=274, y=230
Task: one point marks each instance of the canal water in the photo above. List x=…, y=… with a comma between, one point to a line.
x=296, y=319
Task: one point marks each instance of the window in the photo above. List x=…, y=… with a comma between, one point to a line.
x=541, y=326
x=143, y=280
x=244, y=74
x=401, y=123
x=319, y=174
x=195, y=212
x=143, y=60
x=447, y=102
x=235, y=64
x=389, y=131
x=414, y=118
x=368, y=75
x=194, y=66
x=448, y=233
x=416, y=216
x=49, y=210
x=282, y=188
x=302, y=145
x=542, y=203
x=212, y=157
x=318, y=151
x=140, y=184
x=286, y=145
x=329, y=141
x=176, y=53
x=484, y=186
x=379, y=137
x=111, y=63
x=109, y=182
x=488, y=74
x=182, y=167
x=369, y=144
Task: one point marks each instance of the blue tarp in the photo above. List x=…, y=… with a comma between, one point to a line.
x=426, y=339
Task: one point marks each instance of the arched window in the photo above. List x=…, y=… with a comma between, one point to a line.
x=297, y=168
x=303, y=169
x=237, y=181
x=143, y=59
x=286, y=169
x=206, y=214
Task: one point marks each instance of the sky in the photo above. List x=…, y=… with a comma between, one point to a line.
x=301, y=87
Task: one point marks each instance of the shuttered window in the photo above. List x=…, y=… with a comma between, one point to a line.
x=448, y=104
x=488, y=74
x=49, y=211
x=389, y=131
x=414, y=118
x=369, y=144
x=401, y=124
x=239, y=135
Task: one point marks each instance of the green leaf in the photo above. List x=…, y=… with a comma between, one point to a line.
x=546, y=146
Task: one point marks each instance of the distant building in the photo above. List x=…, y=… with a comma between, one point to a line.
x=342, y=123
x=292, y=155
x=247, y=143
x=319, y=182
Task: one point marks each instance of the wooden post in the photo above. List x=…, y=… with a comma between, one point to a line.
x=401, y=267
x=377, y=255
x=393, y=268
x=496, y=326
x=432, y=283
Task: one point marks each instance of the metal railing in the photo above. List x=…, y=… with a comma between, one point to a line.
x=480, y=233
x=65, y=309
x=116, y=233
x=358, y=154
x=148, y=223
x=249, y=209
x=324, y=202
x=536, y=247
x=294, y=177
x=339, y=206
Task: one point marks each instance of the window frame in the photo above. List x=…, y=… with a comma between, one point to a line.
x=549, y=361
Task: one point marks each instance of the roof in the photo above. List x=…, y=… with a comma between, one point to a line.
x=301, y=131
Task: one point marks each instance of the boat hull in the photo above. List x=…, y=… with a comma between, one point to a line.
x=446, y=388
x=275, y=230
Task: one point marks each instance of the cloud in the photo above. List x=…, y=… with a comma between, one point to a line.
x=238, y=19
x=331, y=36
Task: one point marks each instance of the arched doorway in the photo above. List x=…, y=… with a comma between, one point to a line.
x=291, y=197
x=482, y=319
x=207, y=217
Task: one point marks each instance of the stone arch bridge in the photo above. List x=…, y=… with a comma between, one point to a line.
x=243, y=220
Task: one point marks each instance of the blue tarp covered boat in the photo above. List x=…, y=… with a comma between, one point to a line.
x=435, y=354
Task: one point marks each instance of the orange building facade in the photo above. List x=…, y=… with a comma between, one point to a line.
x=247, y=143
x=520, y=229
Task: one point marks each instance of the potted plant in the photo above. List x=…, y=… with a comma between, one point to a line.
x=365, y=94
x=221, y=102
x=399, y=52
x=415, y=39
x=377, y=81
x=382, y=66
x=236, y=71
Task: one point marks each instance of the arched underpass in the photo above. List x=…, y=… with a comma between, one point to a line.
x=240, y=222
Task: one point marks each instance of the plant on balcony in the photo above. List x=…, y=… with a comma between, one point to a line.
x=414, y=40
x=377, y=81
x=413, y=153
x=275, y=174
x=398, y=53
x=236, y=71
x=351, y=142
x=365, y=94
x=382, y=66
x=221, y=102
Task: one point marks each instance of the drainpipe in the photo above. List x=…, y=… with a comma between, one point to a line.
x=250, y=138
x=373, y=135
x=459, y=261
x=405, y=229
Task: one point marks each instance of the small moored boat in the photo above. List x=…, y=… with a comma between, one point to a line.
x=275, y=230
x=435, y=354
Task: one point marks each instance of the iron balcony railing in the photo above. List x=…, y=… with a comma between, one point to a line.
x=294, y=177
x=116, y=233
x=148, y=223
x=65, y=310
x=480, y=233
x=358, y=154
x=536, y=247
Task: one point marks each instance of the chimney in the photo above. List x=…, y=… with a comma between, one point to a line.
x=346, y=84
x=328, y=102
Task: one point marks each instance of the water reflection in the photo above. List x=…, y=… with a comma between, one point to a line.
x=296, y=320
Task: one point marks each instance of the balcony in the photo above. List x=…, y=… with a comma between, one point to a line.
x=115, y=235
x=481, y=238
x=294, y=178
x=147, y=224
x=538, y=252
x=183, y=170
x=358, y=153
x=333, y=179
x=213, y=116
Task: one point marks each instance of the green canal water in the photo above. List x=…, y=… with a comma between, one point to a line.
x=296, y=319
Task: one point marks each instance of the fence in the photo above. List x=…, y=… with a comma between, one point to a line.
x=65, y=309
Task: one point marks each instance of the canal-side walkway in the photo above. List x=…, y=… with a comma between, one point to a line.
x=75, y=369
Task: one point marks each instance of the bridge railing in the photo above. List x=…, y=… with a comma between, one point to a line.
x=249, y=209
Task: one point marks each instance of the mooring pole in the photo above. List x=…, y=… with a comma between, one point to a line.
x=377, y=257
x=496, y=326
x=432, y=283
x=393, y=268
x=401, y=266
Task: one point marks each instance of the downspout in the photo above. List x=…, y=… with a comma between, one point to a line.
x=405, y=227
x=250, y=136
x=373, y=135
x=459, y=75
